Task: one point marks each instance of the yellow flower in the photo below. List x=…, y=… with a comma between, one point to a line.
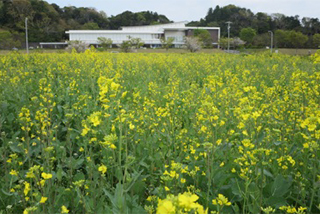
x=42, y=182
x=221, y=200
x=114, y=86
x=131, y=126
x=46, y=176
x=186, y=200
x=85, y=130
x=43, y=200
x=81, y=149
x=165, y=207
x=13, y=172
x=26, y=188
x=64, y=209
x=112, y=146
x=102, y=169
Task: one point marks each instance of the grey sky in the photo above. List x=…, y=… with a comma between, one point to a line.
x=193, y=10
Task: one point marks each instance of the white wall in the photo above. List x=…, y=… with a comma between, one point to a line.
x=117, y=38
x=177, y=35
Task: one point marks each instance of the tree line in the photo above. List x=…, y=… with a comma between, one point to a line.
x=48, y=23
x=253, y=28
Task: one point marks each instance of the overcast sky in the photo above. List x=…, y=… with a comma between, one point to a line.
x=193, y=10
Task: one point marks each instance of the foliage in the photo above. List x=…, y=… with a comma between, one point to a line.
x=140, y=133
x=297, y=39
x=129, y=18
x=135, y=43
x=8, y=41
x=262, y=40
x=125, y=46
x=48, y=22
x=90, y=26
x=77, y=46
x=282, y=38
x=223, y=42
x=192, y=44
x=204, y=37
x=316, y=40
x=166, y=43
x=105, y=42
x=129, y=45
x=247, y=35
x=260, y=22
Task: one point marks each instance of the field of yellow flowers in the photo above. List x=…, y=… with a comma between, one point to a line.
x=159, y=133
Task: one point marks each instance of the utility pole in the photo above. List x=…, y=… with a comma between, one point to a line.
x=229, y=34
x=27, y=43
x=271, y=39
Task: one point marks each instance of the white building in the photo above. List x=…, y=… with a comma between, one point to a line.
x=149, y=34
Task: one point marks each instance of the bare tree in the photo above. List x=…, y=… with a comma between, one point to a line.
x=78, y=46
x=193, y=44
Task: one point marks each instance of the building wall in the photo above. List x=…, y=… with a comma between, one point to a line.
x=117, y=38
x=214, y=35
x=150, y=34
x=177, y=35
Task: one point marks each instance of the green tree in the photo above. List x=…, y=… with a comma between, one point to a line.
x=166, y=43
x=316, y=40
x=297, y=39
x=7, y=40
x=90, y=26
x=261, y=40
x=223, y=42
x=105, y=42
x=282, y=39
x=247, y=35
x=135, y=43
x=204, y=37
x=125, y=46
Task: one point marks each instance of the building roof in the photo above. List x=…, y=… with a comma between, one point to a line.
x=182, y=23
x=145, y=29
x=112, y=31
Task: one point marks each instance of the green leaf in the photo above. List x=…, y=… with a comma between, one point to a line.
x=280, y=186
x=276, y=201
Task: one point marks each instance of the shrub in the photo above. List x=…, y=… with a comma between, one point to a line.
x=78, y=46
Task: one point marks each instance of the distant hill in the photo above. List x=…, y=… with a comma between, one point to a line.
x=48, y=22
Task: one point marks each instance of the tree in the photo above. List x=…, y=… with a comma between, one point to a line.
x=247, y=35
x=166, y=43
x=90, y=26
x=282, y=38
x=297, y=39
x=105, y=42
x=261, y=40
x=193, y=44
x=204, y=37
x=7, y=41
x=135, y=43
x=316, y=40
x=237, y=42
x=125, y=46
x=77, y=45
x=223, y=42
